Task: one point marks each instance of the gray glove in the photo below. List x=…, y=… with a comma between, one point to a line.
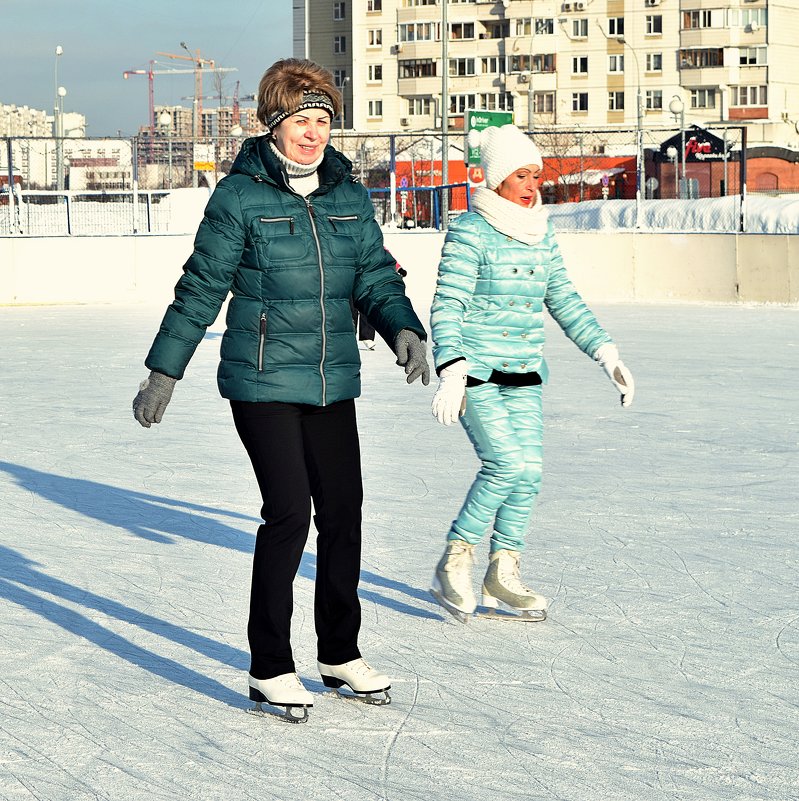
x=154, y=395
x=411, y=355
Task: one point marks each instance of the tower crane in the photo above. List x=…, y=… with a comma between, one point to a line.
x=197, y=71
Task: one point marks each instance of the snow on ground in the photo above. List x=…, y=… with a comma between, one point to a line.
x=762, y=215
x=665, y=538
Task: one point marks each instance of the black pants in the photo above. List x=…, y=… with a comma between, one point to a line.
x=301, y=452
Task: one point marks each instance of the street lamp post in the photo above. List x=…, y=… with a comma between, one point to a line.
x=671, y=152
x=344, y=82
x=639, y=132
x=59, y=134
x=165, y=121
x=677, y=108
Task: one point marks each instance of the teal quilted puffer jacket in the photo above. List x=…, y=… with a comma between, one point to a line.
x=291, y=264
x=490, y=298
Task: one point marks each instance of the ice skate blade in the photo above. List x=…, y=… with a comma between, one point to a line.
x=458, y=614
x=371, y=699
x=518, y=616
x=287, y=716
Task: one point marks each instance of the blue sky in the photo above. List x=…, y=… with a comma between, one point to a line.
x=104, y=38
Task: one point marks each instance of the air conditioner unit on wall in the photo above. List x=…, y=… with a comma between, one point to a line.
x=566, y=7
x=404, y=121
x=651, y=3
x=579, y=6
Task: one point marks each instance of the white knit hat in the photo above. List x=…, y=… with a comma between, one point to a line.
x=503, y=150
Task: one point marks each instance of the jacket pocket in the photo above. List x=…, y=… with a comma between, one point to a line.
x=261, y=341
x=346, y=232
x=279, y=222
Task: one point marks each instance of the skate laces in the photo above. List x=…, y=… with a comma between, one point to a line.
x=459, y=557
x=290, y=681
x=508, y=574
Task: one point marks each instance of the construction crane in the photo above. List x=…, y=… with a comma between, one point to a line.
x=197, y=71
x=201, y=65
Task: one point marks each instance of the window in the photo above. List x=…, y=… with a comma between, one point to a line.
x=339, y=44
x=544, y=26
x=522, y=26
x=461, y=66
x=615, y=101
x=338, y=11
x=374, y=37
x=544, y=62
x=519, y=64
x=419, y=32
x=616, y=63
x=492, y=65
x=496, y=30
x=339, y=78
x=654, y=25
x=752, y=56
x=580, y=65
x=748, y=96
x=461, y=30
x=417, y=68
x=579, y=28
x=495, y=102
x=374, y=108
x=420, y=106
x=654, y=62
x=701, y=57
x=580, y=101
x=654, y=99
x=544, y=102
x=616, y=26
x=746, y=17
x=703, y=98
x=696, y=19
x=374, y=5
x=459, y=103
x=374, y=73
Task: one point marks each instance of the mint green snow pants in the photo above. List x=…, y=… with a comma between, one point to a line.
x=505, y=426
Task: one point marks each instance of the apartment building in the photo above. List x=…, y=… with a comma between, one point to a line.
x=556, y=63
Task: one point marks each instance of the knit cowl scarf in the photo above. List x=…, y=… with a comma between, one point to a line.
x=509, y=218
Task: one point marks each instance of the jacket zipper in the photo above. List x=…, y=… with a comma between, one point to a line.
x=321, y=298
x=334, y=218
x=261, y=341
x=289, y=220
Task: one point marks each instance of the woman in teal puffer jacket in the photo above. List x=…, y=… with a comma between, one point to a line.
x=500, y=269
x=292, y=237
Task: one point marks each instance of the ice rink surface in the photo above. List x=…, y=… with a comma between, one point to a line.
x=665, y=537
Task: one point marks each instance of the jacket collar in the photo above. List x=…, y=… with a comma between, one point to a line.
x=257, y=160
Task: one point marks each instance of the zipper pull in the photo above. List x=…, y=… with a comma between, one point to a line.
x=310, y=208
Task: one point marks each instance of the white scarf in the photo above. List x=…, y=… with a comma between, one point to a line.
x=509, y=218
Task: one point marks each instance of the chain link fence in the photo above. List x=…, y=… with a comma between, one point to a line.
x=650, y=178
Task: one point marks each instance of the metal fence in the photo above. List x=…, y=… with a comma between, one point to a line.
x=652, y=179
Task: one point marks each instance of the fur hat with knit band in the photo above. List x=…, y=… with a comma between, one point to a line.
x=310, y=99
x=504, y=149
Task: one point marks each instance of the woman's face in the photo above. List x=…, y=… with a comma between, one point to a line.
x=303, y=136
x=521, y=186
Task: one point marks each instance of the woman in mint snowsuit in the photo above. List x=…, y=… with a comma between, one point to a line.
x=500, y=268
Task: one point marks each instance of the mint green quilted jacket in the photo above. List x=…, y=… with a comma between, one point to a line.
x=490, y=299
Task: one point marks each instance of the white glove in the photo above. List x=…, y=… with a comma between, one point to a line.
x=449, y=402
x=608, y=357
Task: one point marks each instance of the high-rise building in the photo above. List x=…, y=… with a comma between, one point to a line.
x=586, y=63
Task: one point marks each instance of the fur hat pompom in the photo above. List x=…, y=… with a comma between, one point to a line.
x=505, y=149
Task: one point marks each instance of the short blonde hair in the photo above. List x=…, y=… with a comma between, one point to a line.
x=284, y=84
